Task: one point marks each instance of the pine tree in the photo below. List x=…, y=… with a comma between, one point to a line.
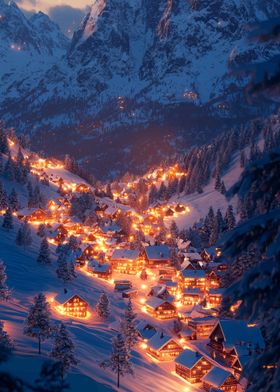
x=223, y=188
x=10, y=169
x=128, y=326
x=103, y=307
x=8, y=223
x=5, y=293
x=6, y=345
x=143, y=275
x=3, y=198
x=63, y=350
x=13, y=201
x=243, y=159
x=1, y=164
x=38, y=324
x=24, y=235
x=65, y=269
x=229, y=218
x=174, y=231
x=50, y=378
x=44, y=253
x=218, y=183
x=4, y=149
x=42, y=230
x=119, y=359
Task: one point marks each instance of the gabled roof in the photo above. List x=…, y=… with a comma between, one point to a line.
x=63, y=297
x=195, y=274
x=236, y=332
x=159, y=340
x=188, y=358
x=126, y=254
x=157, y=252
x=193, y=256
x=145, y=329
x=216, y=376
x=95, y=266
x=154, y=302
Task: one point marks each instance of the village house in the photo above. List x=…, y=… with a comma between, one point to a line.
x=160, y=291
x=33, y=215
x=202, y=326
x=172, y=287
x=214, y=297
x=213, y=279
x=122, y=285
x=192, y=366
x=193, y=279
x=228, y=335
x=191, y=296
x=160, y=308
x=163, y=347
x=157, y=255
x=87, y=251
x=71, y=304
x=220, y=379
x=127, y=261
x=100, y=270
x=82, y=188
x=242, y=356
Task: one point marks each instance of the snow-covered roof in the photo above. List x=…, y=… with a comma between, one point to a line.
x=154, y=302
x=204, y=320
x=192, y=291
x=126, y=254
x=216, y=376
x=193, y=256
x=95, y=266
x=159, y=340
x=219, y=291
x=170, y=283
x=237, y=332
x=63, y=297
x=145, y=329
x=157, y=252
x=188, y=358
x=195, y=274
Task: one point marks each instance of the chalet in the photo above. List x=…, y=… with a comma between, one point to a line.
x=202, y=326
x=213, y=279
x=193, y=279
x=88, y=251
x=193, y=257
x=157, y=255
x=214, y=297
x=186, y=334
x=192, y=366
x=180, y=208
x=122, y=285
x=221, y=379
x=172, y=287
x=71, y=304
x=82, y=188
x=210, y=254
x=131, y=293
x=127, y=261
x=100, y=270
x=169, y=212
x=243, y=355
x=34, y=215
x=160, y=308
x=163, y=347
x=229, y=335
x=192, y=296
x=145, y=330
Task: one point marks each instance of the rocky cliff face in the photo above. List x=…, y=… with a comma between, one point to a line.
x=148, y=72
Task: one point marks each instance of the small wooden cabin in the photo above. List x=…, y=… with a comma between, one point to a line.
x=163, y=347
x=192, y=296
x=221, y=379
x=213, y=279
x=127, y=261
x=214, y=297
x=160, y=308
x=122, y=285
x=100, y=270
x=71, y=304
x=193, y=279
x=192, y=366
x=202, y=326
x=82, y=188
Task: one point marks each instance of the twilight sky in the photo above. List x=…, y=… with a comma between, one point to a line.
x=66, y=13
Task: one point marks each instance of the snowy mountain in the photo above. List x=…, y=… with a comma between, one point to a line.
x=27, y=48
x=139, y=74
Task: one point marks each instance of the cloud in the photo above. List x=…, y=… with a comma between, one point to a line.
x=68, y=18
